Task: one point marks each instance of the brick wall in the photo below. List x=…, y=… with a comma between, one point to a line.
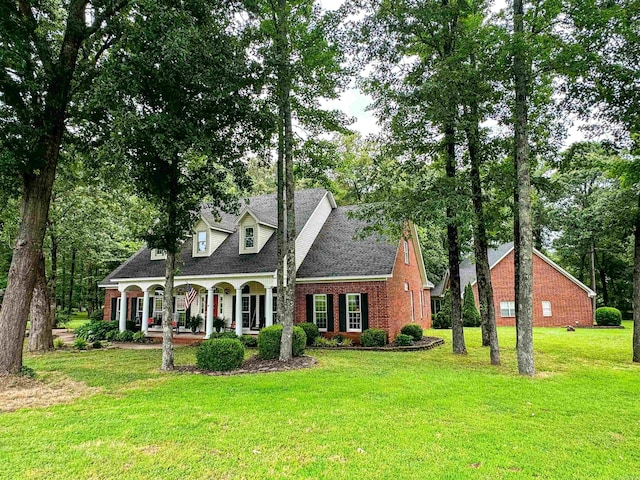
x=570, y=304
x=377, y=293
x=400, y=299
x=110, y=293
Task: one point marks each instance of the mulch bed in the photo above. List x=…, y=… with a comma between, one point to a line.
x=602, y=327
x=427, y=343
x=255, y=365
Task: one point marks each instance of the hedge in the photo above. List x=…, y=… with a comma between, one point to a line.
x=269, y=341
x=373, y=337
x=220, y=354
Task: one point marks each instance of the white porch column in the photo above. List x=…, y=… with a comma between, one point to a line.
x=209, y=325
x=268, y=307
x=239, y=311
x=145, y=312
x=123, y=311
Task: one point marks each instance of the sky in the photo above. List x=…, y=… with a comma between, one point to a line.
x=354, y=103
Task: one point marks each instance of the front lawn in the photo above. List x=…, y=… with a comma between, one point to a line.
x=357, y=414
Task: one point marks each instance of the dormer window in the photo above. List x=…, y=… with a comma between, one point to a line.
x=202, y=242
x=249, y=238
x=158, y=254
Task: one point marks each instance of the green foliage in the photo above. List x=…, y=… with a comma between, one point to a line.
x=311, y=330
x=470, y=313
x=231, y=335
x=220, y=354
x=27, y=372
x=58, y=343
x=194, y=322
x=97, y=314
x=413, y=330
x=269, y=341
x=96, y=345
x=80, y=343
x=339, y=338
x=96, y=330
x=373, y=337
x=608, y=316
x=442, y=319
x=139, y=337
x=218, y=324
x=249, y=341
x=126, y=336
x=403, y=340
x=111, y=335
x=61, y=319
x=325, y=342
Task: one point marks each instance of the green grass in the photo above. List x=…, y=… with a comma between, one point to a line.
x=77, y=319
x=356, y=415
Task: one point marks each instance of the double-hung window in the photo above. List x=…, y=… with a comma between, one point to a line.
x=354, y=312
x=507, y=309
x=249, y=239
x=320, y=313
x=546, y=308
x=202, y=242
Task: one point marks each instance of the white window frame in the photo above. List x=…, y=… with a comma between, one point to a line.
x=203, y=304
x=247, y=237
x=118, y=305
x=406, y=252
x=158, y=254
x=547, y=312
x=413, y=313
x=358, y=313
x=509, y=308
x=205, y=250
x=421, y=303
x=246, y=297
x=316, y=311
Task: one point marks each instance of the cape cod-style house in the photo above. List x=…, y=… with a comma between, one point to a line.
x=345, y=284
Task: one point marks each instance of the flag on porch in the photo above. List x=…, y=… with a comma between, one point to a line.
x=189, y=296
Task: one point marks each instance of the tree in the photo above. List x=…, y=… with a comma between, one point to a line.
x=183, y=112
x=45, y=48
x=470, y=314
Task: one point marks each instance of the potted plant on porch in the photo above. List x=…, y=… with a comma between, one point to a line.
x=218, y=323
x=194, y=323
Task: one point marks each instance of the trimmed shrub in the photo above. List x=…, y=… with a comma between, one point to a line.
x=80, y=344
x=97, y=314
x=608, y=317
x=58, y=343
x=470, y=313
x=249, y=341
x=139, y=337
x=413, y=330
x=126, y=336
x=403, y=340
x=311, y=330
x=269, y=341
x=373, y=337
x=96, y=345
x=443, y=318
x=220, y=354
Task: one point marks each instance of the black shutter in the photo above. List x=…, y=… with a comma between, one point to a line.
x=114, y=306
x=329, y=313
x=134, y=308
x=150, y=309
x=309, y=308
x=364, y=308
x=263, y=316
x=342, y=311
x=233, y=312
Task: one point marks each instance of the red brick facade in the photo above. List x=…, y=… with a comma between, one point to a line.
x=110, y=293
x=570, y=304
x=389, y=302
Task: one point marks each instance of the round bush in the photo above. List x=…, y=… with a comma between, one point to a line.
x=220, y=354
x=403, y=340
x=269, y=341
x=311, y=330
x=413, y=330
x=249, y=341
x=608, y=316
x=373, y=337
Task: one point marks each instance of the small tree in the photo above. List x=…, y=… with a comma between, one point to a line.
x=470, y=313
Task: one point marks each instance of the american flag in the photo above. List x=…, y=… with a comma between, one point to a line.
x=189, y=296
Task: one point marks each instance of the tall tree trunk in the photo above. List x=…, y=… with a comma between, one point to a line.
x=525, y=254
x=40, y=334
x=636, y=289
x=71, y=280
x=284, y=80
x=167, y=312
x=457, y=328
x=36, y=195
x=516, y=253
x=592, y=278
x=481, y=246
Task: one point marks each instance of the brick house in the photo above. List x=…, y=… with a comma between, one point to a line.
x=345, y=284
x=559, y=299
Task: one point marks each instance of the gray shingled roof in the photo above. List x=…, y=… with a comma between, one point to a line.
x=226, y=259
x=468, y=268
x=336, y=253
